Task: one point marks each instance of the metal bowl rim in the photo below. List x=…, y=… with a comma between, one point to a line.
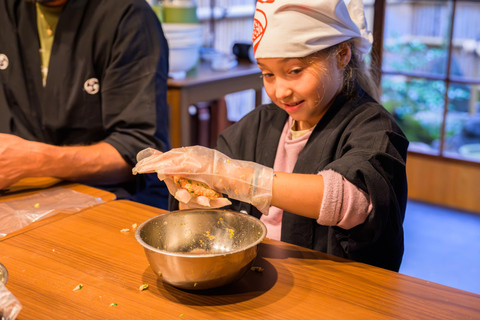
x=4, y=273
x=186, y=255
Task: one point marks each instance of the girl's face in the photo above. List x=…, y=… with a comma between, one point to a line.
x=304, y=90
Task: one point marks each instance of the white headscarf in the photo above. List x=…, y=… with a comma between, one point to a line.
x=297, y=28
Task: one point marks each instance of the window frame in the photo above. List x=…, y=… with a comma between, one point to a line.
x=377, y=60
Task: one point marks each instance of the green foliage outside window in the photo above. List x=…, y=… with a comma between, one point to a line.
x=418, y=104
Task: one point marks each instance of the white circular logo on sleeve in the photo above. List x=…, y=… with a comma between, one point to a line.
x=92, y=86
x=3, y=61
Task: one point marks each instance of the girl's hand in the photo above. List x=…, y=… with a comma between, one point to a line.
x=241, y=180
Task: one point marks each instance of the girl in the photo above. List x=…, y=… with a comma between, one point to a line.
x=324, y=162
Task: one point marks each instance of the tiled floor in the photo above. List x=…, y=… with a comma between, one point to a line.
x=442, y=245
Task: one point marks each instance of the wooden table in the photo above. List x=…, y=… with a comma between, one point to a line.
x=45, y=265
x=206, y=84
x=30, y=186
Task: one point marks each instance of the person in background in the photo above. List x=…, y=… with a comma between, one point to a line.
x=82, y=90
x=323, y=165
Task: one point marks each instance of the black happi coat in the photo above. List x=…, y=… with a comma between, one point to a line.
x=357, y=138
x=118, y=43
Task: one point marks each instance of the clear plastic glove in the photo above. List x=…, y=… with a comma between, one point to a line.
x=192, y=194
x=241, y=180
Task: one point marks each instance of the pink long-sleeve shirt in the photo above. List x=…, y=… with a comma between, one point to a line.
x=343, y=204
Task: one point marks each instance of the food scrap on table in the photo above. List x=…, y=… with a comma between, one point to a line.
x=125, y=230
x=36, y=205
x=134, y=226
x=79, y=287
x=143, y=287
x=257, y=269
x=114, y=304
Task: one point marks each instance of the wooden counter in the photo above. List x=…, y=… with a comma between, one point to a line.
x=30, y=186
x=202, y=85
x=45, y=264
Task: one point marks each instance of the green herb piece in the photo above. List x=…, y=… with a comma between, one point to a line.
x=143, y=287
x=80, y=286
x=113, y=304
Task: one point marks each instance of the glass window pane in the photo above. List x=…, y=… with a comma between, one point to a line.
x=417, y=106
x=416, y=36
x=462, y=130
x=369, y=13
x=368, y=6
x=466, y=41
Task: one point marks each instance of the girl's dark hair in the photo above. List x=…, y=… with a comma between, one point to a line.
x=358, y=71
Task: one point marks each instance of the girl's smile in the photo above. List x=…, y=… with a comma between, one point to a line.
x=293, y=106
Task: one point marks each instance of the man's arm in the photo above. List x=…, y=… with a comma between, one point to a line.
x=97, y=164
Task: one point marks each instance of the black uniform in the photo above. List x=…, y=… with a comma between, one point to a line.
x=360, y=140
x=106, y=80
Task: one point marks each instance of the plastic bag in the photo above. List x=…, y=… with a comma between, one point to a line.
x=16, y=214
x=9, y=305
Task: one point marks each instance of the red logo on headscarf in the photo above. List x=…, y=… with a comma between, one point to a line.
x=259, y=27
x=266, y=1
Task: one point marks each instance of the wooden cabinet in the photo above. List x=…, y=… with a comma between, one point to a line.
x=446, y=182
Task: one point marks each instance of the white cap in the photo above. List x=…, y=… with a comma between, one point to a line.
x=297, y=28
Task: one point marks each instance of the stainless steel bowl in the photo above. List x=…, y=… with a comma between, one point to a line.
x=3, y=274
x=200, y=249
